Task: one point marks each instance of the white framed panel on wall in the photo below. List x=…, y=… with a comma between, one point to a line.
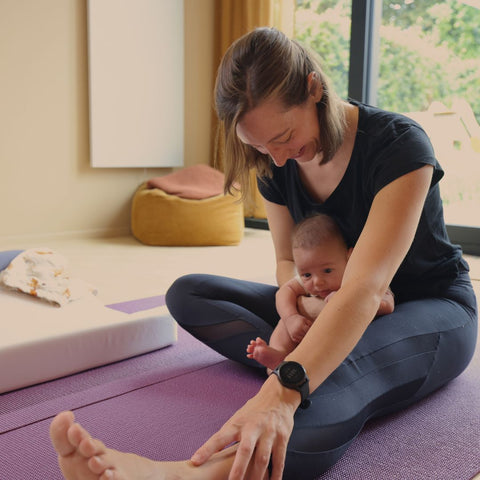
x=136, y=82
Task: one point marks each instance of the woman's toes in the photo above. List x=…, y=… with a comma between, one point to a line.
x=76, y=434
x=59, y=433
x=98, y=465
x=90, y=447
x=108, y=475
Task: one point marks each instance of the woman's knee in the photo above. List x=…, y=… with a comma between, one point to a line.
x=454, y=352
x=181, y=286
x=309, y=463
x=182, y=294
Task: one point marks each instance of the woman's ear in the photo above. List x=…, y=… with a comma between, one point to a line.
x=315, y=87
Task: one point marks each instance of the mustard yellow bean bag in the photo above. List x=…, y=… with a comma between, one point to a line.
x=161, y=218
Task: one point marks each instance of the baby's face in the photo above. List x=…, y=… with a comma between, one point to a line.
x=321, y=268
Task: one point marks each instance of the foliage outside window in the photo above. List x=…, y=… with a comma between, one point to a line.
x=324, y=26
x=429, y=68
x=430, y=51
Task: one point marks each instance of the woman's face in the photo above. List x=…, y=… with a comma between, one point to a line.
x=283, y=134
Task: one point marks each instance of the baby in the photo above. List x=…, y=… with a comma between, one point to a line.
x=320, y=255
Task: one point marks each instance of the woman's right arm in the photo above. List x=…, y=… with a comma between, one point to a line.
x=281, y=226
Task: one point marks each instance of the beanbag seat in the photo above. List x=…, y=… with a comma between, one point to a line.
x=187, y=208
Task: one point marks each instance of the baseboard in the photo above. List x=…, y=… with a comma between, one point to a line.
x=260, y=223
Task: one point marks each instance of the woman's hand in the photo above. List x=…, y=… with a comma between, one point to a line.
x=262, y=428
x=310, y=307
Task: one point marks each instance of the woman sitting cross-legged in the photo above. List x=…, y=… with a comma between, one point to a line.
x=376, y=174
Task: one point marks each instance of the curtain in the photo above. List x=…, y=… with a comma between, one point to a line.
x=234, y=18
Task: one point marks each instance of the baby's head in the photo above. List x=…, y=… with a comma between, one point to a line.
x=320, y=254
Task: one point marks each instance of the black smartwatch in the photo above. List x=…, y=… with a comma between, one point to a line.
x=293, y=375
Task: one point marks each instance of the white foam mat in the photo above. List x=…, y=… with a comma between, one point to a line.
x=41, y=342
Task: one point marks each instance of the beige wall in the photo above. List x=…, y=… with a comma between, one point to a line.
x=47, y=186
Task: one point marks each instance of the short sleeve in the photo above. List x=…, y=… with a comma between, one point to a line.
x=279, y=187
x=269, y=190
x=409, y=150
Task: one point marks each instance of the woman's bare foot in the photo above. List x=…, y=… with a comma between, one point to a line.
x=83, y=458
x=269, y=357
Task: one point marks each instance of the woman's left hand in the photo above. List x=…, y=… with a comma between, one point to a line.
x=261, y=428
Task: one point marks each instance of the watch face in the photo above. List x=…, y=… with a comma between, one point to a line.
x=292, y=373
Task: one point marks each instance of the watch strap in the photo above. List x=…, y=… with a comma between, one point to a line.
x=303, y=388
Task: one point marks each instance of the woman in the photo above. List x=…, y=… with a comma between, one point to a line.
x=376, y=174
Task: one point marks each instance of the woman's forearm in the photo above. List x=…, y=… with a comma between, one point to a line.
x=285, y=271
x=335, y=333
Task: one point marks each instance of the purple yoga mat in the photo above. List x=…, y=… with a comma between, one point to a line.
x=165, y=404
x=133, y=306
x=437, y=439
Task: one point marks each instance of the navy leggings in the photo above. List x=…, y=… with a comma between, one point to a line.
x=401, y=358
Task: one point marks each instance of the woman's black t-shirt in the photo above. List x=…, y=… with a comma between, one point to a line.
x=387, y=146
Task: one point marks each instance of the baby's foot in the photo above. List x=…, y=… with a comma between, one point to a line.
x=83, y=458
x=269, y=357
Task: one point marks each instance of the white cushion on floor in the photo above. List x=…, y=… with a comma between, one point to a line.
x=40, y=342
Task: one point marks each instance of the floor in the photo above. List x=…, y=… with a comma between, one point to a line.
x=121, y=268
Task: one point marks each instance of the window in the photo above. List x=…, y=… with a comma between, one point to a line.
x=429, y=68
x=418, y=57
x=324, y=26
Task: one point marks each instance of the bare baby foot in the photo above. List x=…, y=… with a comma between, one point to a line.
x=259, y=350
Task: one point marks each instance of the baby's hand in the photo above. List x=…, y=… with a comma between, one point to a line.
x=310, y=307
x=297, y=326
x=329, y=297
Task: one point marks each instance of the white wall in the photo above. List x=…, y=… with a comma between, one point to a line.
x=47, y=186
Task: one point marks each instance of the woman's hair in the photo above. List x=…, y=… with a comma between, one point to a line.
x=316, y=230
x=265, y=64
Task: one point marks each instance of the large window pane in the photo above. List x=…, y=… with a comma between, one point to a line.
x=324, y=26
x=430, y=69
